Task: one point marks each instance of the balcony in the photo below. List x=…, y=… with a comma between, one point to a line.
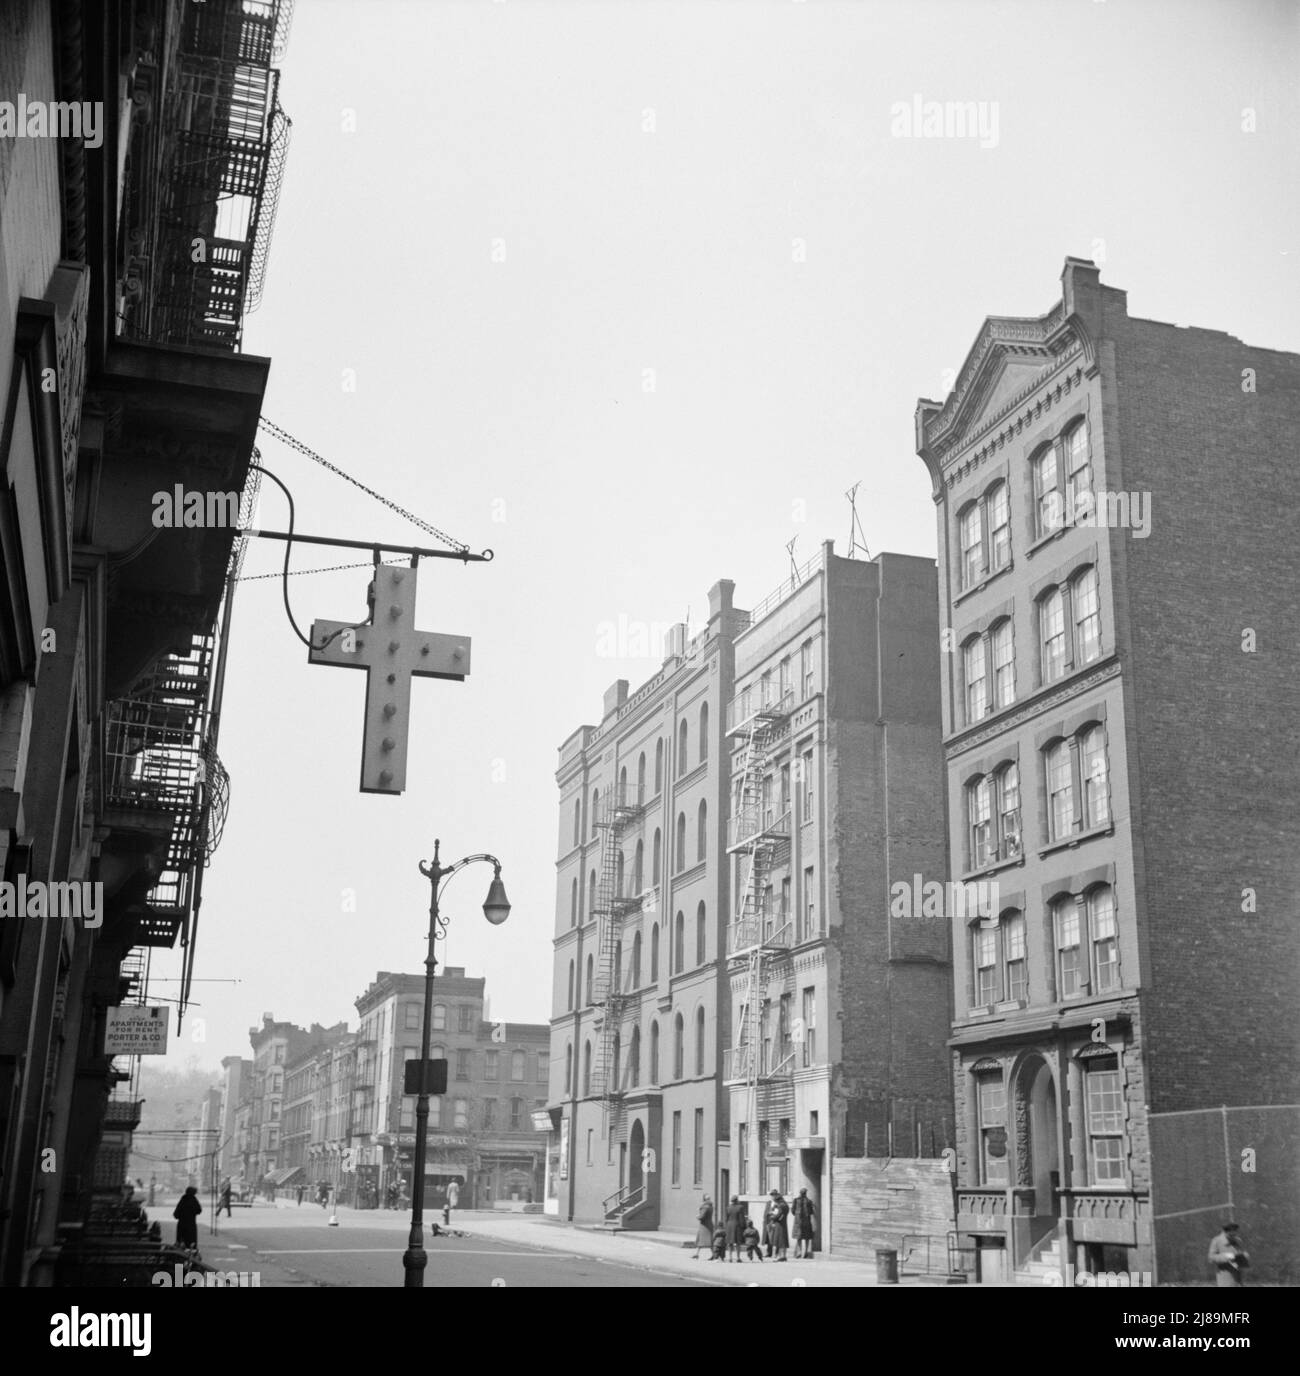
x=757, y=824
x=618, y=805
x=123, y=1115
x=762, y=703
x=754, y=933
x=771, y=1061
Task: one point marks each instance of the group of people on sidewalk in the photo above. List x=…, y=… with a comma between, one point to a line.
x=722, y=1239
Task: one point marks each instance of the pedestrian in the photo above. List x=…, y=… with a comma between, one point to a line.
x=751, y=1240
x=223, y=1200
x=704, y=1227
x=802, y=1214
x=777, y=1237
x=301, y=1191
x=1228, y=1256
x=453, y=1199
x=719, y=1244
x=735, y=1227
x=186, y=1213
x=153, y=1188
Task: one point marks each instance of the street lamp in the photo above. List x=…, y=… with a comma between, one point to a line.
x=496, y=908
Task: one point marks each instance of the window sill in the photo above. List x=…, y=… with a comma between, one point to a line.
x=1047, y=539
x=983, y=583
x=994, y=868
x=1070, y=842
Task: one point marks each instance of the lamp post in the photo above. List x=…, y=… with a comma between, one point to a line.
x=496, y=908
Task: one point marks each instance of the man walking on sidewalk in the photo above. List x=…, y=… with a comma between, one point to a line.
x=223, y=1200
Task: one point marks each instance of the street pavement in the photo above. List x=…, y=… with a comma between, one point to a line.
x=294, y=1245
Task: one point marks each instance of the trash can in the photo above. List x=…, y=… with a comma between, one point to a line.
x=886, y=1266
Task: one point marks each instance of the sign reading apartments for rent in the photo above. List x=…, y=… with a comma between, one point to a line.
x=136, y=1030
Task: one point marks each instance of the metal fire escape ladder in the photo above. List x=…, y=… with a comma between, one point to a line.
x=611, y=818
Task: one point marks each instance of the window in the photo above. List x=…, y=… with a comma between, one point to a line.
x=412, y=1017
x=1087, y=617
x=634, y=1059
x=1078, y=482
x=1101, y=928
x=809, y=906
x=783, y=680
x=986, y=967
x=810, y=1026
x=807, y=785
x=783, y=803
x=1060, y=791
x=638, y=868
x=972, y=560
x=616, y=1062
x=1105, y=1121
x=678, y=1038
x=701, y=935
x=543, y=1067
x=568, y=1068
x=570, y=1003
x=806, y=668
x=1015, y=969
x=979, y=798
x=659, y=766
x=435, y=1111
x=577, y=823
x=1054, y=645
x=465, y=1013
x=595, y=811
x=489, y=1114
x=463, y=1064
x=699, y=1041
x=516, y=1065
x=654, y=954
x=999, y=517
x=591, y=897
x=636, y=961
x=681, y=750
x=591, y=983
x=640, y=779
x=677, y=1146
x=1047, y=497
x=992, y=1105
x=679, y=860
x=620, y=866
x=697, y=1164
x=702, y=832
x=573, y=905
x=1009, y=810
x=1004, y=668
x=624, y=797
x=783, y=919
x=1069, y=974
x=657, y=856
x=654, y=1053
x=1096, y=788
x=460, y=1115
x=439, y=1023
x=704, y=732
x=679, y=944
x=586, y=1068
x=516, y=1114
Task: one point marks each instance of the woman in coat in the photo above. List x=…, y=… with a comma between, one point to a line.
x=186, y=1213
x=704, y=1232
x=735, y=1227
x=777, y=1236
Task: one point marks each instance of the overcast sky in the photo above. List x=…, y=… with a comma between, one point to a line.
x=632, y=293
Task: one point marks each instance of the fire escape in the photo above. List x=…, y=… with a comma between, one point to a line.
x=758, y=939
x=207, y=113
x=618, y=807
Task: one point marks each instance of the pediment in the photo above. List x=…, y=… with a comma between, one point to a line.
x=1005, y=382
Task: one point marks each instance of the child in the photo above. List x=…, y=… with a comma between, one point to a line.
x=750, y=1236
x=719, y=1245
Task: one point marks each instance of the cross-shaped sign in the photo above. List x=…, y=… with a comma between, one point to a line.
x=391, y=652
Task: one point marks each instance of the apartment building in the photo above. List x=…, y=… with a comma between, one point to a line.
x=1119, y=587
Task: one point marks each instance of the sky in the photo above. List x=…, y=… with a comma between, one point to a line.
x=632, y=293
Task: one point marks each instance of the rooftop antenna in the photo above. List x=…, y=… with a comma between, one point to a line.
x=794, y=567
x=857, y=536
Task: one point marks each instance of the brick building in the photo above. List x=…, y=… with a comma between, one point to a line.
x=839, y=1007
x=639, y=982
x=1120, y=584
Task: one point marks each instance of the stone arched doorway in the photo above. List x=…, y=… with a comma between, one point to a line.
x=1037, y=1137
x=635, y=1151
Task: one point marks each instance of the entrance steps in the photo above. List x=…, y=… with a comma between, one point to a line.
x=1044, y=1268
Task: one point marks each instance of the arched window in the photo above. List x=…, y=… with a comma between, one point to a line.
x=594, y=813
x=702, y=831
x=618, y=967
x=618, y=874
x=975, y=677
x=591, y=983
x=999, y=515
x=1101, y=931
x=439, y=1023
x=1071, y=971
x=1087, y=617
x=701, y=935
x=679, y=860
x=1060, y=790
x=1047, y=495
x=1004, y=669
x=678, y=1038
x=681, y=750
x=679, y=944
x=638, y=867
x=1014, y=965
x=591, y=897
x=972, y=555
x=634, y=1059
x=640, y=779
x=979, y=802
x=577, y=822
x=704, y=732
x=573, y=905
x=699, y=1041
x=568, y=1068
x=1094, y=772
x=623, y=798
x=654, y=1053
x=570, y=984
x=656, y=863
x=586, y=1067
x=654, y=954
x=1053, y=640
x=1078, y=474
x=659, y=766
x=1008, y=786
x=636, y=961
x=517, y=1065
x=616, y=1065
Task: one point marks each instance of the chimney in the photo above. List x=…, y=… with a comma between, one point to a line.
x=675, y=641
x=720, y=597
x=615, y=697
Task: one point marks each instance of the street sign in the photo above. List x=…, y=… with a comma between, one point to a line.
x=136, y=1030
x=436, y=1082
